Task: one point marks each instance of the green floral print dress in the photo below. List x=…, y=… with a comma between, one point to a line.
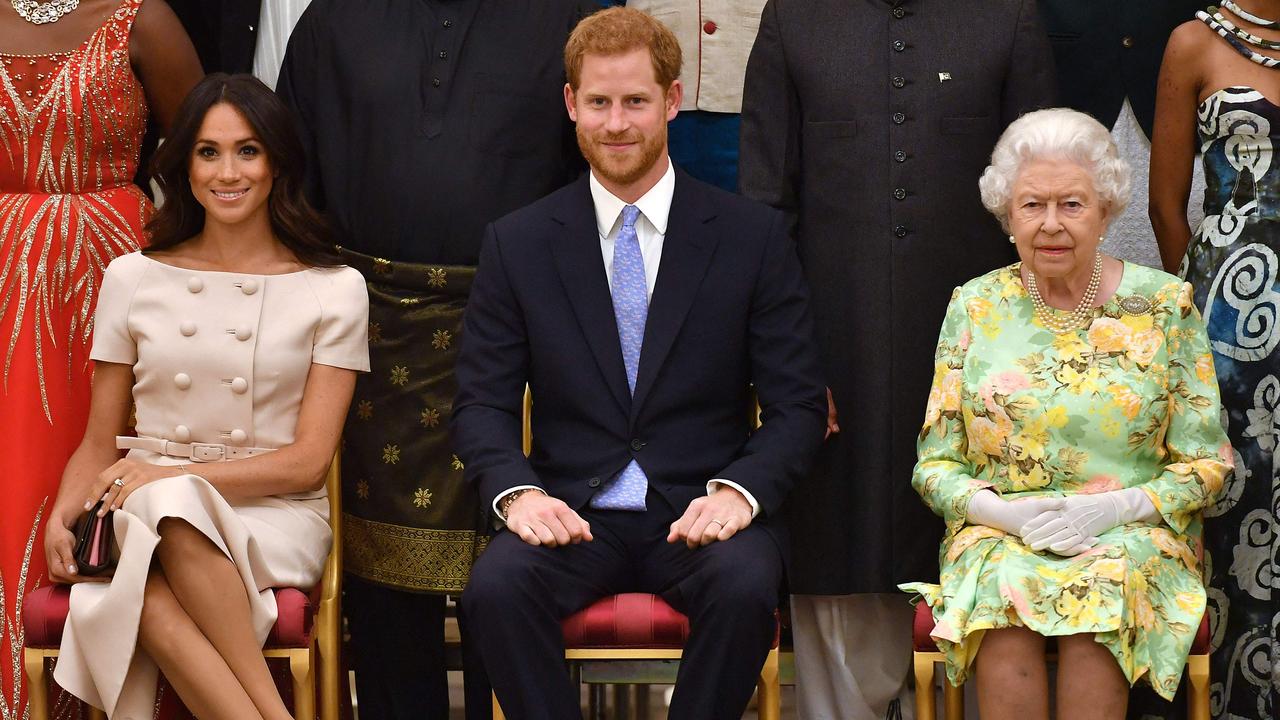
x=1129, y=401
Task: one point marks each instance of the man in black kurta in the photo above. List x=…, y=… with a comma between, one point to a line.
x=870, y=122
x=424, y=120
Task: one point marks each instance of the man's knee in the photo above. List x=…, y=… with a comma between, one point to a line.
x=748, y=587
x=498, y=579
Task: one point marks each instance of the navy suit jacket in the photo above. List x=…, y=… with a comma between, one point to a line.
x=729, y=311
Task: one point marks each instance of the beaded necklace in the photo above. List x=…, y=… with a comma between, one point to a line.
x=1237, y=38
x=1245, y=35
x=38, y=13
x=1083, y=310
x=1248, y=16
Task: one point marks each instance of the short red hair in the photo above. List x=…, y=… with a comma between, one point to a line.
x=619, y=30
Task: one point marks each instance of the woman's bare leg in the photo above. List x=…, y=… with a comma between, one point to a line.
x=1091, y=685
x=210, y=590
x=193, y=666
x=1013, y=683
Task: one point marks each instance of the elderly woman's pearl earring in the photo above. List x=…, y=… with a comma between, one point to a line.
x=1011, y=239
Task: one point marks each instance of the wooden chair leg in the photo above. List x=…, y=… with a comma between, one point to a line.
x=37, y=689
x=304, y=684
x=926, y=705
x=497, y=709
x=1197, y=687
x=952, y=700
x=769, y=689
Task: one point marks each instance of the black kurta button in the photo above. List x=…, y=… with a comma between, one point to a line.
x=1126, y=41
x=435, y=82
x=900, y=156
x=899, y=13
x=447, y=23
x=637, y=445
x=899, y=45
x=593, y=482
x=899, y=118
x=899, y=194
x=444, y=55
x=900, y=231
x=899, y=81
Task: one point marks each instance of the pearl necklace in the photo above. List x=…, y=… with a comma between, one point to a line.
x=38, y=13
x=1082, y=312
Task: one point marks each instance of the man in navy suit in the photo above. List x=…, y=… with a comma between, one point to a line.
x=642, y=307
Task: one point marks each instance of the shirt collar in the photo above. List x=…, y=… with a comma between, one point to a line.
x=654, y=205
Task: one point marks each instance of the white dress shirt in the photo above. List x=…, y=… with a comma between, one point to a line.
x=651, y=230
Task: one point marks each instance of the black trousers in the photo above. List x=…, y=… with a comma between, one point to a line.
x=519, y=593
x=398, y=638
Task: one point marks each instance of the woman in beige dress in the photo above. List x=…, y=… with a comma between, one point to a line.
x=237, y=337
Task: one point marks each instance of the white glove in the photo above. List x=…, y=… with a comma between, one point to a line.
x=987, y=508
x=1086, y=517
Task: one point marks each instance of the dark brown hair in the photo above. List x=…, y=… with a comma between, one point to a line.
x=293, y=221
x=619, y=30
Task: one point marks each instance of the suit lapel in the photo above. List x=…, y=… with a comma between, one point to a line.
x=581, y=267
x=686, y=251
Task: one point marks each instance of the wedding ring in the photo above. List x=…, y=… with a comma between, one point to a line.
x=118, y=482
x=721, y=524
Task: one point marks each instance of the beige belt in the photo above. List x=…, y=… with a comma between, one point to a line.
x=195, y=452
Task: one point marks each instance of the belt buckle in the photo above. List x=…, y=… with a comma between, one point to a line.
x=207, y=452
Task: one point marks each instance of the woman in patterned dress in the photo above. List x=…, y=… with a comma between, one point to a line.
x=1070, y=442
x=75, y=89
x=1218, y=94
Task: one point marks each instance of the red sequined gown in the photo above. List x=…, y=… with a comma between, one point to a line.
x=71, y=124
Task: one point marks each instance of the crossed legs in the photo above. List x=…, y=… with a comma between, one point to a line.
x=196, y=625
x=1013, y=681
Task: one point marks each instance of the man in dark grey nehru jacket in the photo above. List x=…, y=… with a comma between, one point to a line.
x=869, y=122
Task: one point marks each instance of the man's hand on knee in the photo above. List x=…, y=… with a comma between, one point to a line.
x=717, y=516
x=543, y=520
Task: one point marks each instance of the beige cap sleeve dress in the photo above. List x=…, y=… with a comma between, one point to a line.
x=218, y=358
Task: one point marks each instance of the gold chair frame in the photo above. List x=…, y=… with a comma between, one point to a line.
x=322, y=654
x=953, y=697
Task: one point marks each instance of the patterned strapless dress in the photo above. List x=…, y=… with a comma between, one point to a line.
x=1234, y=264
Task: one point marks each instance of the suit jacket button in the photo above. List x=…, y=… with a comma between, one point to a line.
x=593, y=482
x=636, y=445
x=900, y=231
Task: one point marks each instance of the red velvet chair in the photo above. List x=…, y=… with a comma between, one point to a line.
x=926, y=653
x=307, y=633
x=640, y=626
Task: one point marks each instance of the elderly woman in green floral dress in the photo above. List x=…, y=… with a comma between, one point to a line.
x=1070, y=442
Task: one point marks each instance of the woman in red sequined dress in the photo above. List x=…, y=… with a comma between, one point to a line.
x=76, y=81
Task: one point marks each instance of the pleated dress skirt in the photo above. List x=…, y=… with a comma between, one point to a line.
x=273, y=542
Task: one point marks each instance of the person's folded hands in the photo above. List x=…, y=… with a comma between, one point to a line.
x=987, y=508
x=1084, y=518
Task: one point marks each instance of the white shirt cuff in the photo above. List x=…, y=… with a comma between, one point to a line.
x=507, y=492
x=714, y=485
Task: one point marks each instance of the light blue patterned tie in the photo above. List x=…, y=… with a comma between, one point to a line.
x=630, y=309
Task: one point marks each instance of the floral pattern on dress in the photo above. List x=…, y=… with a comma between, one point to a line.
x=1129, y=401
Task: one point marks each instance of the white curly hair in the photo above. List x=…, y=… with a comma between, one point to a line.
x=1055, y=133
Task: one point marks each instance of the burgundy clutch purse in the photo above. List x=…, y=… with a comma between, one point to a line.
x=93, y=542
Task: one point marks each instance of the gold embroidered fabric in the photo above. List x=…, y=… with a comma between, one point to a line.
x=71, y=125
x=412, y=519
x=418, y=559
